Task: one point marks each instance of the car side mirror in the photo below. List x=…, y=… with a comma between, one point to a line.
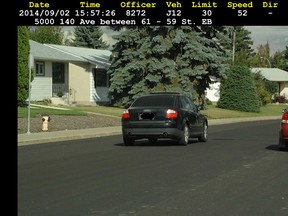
x=199, y=107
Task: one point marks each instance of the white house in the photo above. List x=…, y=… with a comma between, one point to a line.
x=68, y=74
x=270, y=74
x=275, y=75
x=213, y=92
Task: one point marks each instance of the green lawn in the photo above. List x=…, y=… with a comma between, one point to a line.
x=212, y=111
x=269, y=110
x=34, y=112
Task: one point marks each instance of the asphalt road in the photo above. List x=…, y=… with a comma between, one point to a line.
x=238, y=172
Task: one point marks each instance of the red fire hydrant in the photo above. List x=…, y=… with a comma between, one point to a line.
x=45, y=120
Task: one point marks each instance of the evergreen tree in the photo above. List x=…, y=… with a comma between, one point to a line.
x=242, y=43
x=238, y=92
x=278, y=60
x=90, y=37
x=47, y=34
x=286, y=58
x=128, y=65
x=165, y=58
x=23, y=70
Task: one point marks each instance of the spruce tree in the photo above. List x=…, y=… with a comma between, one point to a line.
x=286, y=58
x=238, y=91
x=240, y=45
x=90, y=37
x=165, y=58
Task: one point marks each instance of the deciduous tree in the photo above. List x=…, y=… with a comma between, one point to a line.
x=47, y=34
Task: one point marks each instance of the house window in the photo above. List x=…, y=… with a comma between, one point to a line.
x=58, y=73
x=100, y=78
x=40, y=69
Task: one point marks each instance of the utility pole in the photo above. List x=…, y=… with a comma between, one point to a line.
x=29, y=102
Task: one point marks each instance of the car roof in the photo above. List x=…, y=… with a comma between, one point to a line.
x=165, y=93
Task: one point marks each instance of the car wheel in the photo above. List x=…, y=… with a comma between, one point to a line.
x=203, y=137
x=282, y=145
x=128, y=141
x=184, y=139
x=152, y=140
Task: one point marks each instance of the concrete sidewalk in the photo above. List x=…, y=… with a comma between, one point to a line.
x=54, y=136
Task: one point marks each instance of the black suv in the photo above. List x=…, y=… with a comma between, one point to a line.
x=163, y=115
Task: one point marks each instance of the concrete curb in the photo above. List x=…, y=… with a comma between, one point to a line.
x=53, y=136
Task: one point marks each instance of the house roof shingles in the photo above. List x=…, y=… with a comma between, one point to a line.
x=42, y=52
x=68, y=53
x=272, y=74
x=94, y=56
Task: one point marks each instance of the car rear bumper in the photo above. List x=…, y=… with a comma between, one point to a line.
x=284, y=130
x=139, y=133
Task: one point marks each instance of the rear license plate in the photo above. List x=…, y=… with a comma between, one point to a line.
x=146, y=116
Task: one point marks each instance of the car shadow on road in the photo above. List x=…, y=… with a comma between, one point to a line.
x=276, y=148
x=159, y=143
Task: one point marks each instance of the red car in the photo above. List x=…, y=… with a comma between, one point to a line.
x=283, y=134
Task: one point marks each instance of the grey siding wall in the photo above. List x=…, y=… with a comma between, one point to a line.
x=41, y=88
x=99, y=94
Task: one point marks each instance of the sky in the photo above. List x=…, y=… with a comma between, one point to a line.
x=276, y=36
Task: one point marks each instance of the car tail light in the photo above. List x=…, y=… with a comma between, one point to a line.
x=126, y=114
x=285, y=118
x=171, y=113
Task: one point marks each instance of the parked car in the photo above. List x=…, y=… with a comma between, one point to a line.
x=166, y=115
x=283, y=133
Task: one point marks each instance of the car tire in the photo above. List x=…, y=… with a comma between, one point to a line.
x=184, y=139
x=203, y=137
x=282, y=145
x=128, y=141
x=152, y=140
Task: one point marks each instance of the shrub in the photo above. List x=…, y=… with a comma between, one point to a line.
x=279, y=99
x=264, y=96
x=47, y=101
x=238, y=91
x=60, y=94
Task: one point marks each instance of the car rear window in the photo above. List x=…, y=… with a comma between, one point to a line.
x=155, y=101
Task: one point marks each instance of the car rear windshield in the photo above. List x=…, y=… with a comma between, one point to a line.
x=155, y=101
